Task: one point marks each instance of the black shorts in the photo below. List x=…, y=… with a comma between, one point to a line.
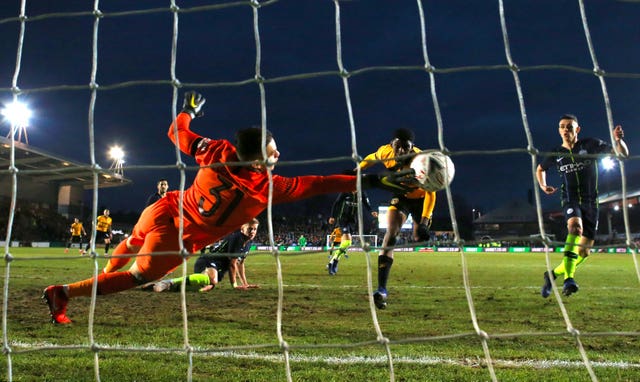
x=76, y=239
x=102, y=236
x=408, y=207
x=219, y=263
x=589, y=214
x=348, y=226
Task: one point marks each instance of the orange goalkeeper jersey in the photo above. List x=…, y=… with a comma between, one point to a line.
x=223, y=197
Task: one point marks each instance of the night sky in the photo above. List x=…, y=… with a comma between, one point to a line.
x=309, y=116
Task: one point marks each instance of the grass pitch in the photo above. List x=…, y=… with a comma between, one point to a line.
x=328, y=325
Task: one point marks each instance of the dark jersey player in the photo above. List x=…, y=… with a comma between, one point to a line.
x=223, y=196
x=209, y=269
x=579, y=194
x=344, y=214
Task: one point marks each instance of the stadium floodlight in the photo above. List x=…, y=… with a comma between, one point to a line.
x=117, y=156
x=608, y=163
x=18, y=115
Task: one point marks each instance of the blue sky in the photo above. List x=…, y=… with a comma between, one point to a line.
x=479, y=108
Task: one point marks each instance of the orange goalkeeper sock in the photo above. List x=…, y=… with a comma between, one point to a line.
x=107, y=283
x=117, y=262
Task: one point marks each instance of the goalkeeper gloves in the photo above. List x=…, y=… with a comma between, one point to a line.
x=398, y=182
x=193, y=103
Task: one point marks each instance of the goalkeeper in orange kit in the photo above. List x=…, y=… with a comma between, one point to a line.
x=224, y=195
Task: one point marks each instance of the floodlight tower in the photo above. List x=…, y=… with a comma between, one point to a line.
x=117, y=156
x=17, y=114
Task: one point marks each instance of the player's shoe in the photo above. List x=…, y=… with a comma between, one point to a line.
x=335, y=266
x=66, y=250
x=570, y=287
x=380, y=298
x=330, y=268
x=545, y=291
x=161, y=286
x=57, y=301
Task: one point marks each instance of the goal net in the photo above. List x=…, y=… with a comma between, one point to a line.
x=481, y=81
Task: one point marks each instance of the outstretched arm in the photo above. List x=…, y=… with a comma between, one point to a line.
x=187, y=140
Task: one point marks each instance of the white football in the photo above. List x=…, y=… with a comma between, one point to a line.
x=434, y=170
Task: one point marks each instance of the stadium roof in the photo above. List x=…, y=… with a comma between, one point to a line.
x=514, y=211
x=45, y=167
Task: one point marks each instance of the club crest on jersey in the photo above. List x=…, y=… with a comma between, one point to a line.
x=203, y=144
x=569, y=211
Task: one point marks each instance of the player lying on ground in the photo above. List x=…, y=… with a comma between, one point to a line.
x=222, y=197
x=209, y=269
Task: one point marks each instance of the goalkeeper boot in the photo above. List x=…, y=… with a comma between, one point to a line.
x=380, y=298
x=545, y=291
x=57, y=301
x=570, y=287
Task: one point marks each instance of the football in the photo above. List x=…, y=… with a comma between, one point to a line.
x=433, y=170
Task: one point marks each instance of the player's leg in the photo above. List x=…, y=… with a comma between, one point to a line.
x=590, y=215
x=395, y=219
x=345, y=243
x=571, y=254
x=163, y=238
x=107, y=242
x=193, y=282
x=80, y=250
x=132, y=245
x=117, y=261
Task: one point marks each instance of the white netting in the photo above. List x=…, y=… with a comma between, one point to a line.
x=258, y=78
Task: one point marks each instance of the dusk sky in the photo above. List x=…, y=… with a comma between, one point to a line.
x=309, y=116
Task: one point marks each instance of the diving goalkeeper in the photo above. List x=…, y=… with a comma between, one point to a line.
x=224, y=195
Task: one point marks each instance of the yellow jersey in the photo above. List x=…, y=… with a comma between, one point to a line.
x=104, y=223
x=76, y=229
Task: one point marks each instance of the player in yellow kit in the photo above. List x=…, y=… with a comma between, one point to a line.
x=103, y=231
x=77, y=232
x=417, y=203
